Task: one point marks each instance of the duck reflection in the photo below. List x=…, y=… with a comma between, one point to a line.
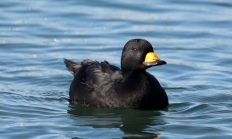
x=133, y=123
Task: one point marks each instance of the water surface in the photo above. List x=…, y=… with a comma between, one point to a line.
x=194, y=37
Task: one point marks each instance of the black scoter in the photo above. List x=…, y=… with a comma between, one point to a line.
x=104, y=85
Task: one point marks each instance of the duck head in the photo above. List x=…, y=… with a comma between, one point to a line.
x=139, y=54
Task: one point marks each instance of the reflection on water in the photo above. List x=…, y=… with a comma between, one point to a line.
x=132, y=123
x=194, y=37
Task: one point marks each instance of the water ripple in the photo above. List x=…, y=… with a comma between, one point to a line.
x=194, y=37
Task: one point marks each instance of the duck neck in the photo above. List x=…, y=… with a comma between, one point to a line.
x=133, y=80
x=132, y=73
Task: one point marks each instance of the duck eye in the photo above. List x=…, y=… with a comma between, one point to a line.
x=135, y=50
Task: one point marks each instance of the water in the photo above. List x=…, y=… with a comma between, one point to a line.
x=194, y=37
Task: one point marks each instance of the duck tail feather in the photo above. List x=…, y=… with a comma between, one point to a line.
x=72, y=67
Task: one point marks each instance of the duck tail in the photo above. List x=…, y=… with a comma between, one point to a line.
x=72, y=67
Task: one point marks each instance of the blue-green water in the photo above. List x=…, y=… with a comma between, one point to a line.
x=194, y=37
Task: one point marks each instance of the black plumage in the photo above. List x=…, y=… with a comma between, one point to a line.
x=103, y=85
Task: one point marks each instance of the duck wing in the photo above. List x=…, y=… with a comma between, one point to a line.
x=91, y=79
x=94, y=71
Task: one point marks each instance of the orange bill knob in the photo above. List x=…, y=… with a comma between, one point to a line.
x=152, y=59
